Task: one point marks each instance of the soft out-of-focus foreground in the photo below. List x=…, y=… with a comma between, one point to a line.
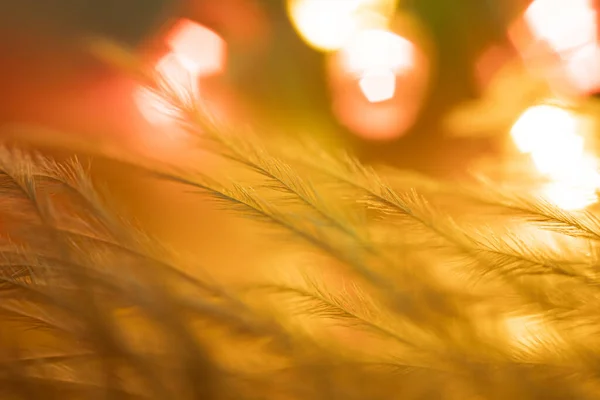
x=299, y=199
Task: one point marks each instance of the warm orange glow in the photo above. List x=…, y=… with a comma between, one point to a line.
x=376, y=57
x=563, y=24
x=176, y=73
x=546, y=126
x=196, y=51
x=327, y=25
x=559, y=39
x=379, y=121
x=378, y=79
x=378, y=85
x=552, y=136
x=157, y=109
x=153, y=108
x=198, y=48
x=571, y=197
x=583, y=68
x=377, y=49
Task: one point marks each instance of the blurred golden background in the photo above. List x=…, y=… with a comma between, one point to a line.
x=282, y=67
x=452, y=88
x=503, y=91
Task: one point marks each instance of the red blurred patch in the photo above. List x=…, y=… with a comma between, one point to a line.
x=45, y=83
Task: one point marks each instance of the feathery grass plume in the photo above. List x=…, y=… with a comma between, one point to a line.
x=487, y=312
x=415, y=289
x=90, y=307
